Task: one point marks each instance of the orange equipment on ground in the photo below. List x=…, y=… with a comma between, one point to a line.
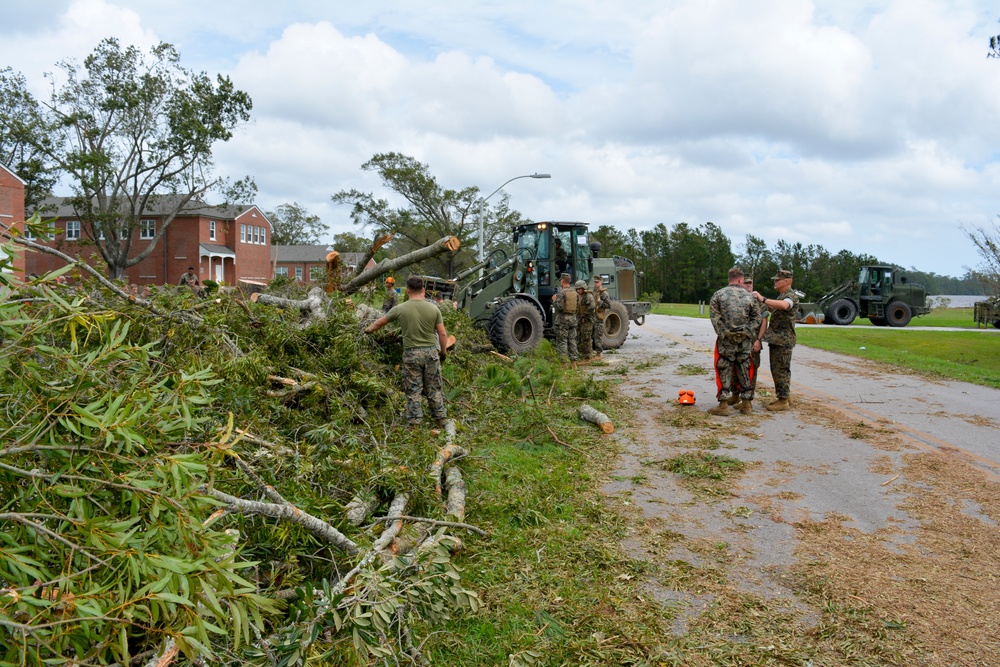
x=685, y=397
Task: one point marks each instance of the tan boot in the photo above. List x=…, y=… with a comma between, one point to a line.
x=746, y=407
x=779, y=405
x=734, y=399
x=722, y=409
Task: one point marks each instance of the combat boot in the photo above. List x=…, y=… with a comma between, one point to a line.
x=734, y=399
x=746, y=407
x=722, y=409
x=779, y=405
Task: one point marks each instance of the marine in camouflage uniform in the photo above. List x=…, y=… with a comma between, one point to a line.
x=391, y=300
x=759, y=326
x=564, y=323
x=732, y=313
x=780, y=336
x=586, y=312
x=422, y=376
x=603, y=302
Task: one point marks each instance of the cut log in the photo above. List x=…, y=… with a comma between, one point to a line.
x=445, y=454
x=313, y=307
x=392, y=525
x=447, y=244
x=589, y=414
x=456, y=493
x=362, y=505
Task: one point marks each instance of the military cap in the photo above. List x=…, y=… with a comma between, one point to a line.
x=580, y=284
x=781, y=275
x=564, y=276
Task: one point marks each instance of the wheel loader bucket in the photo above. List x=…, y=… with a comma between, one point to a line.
x=811, y=313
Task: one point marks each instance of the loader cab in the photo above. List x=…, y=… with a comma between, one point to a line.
x=874, y=282
x=556, y=247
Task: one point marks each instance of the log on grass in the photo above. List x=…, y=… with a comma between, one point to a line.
x=455, y=485
x=313, y=307
x=445, y=454
x=362, y=505
x=447, y=244
x=589, y=414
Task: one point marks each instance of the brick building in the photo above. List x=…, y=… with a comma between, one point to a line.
x=307, y=263
x=223, y=243
x=12, y=208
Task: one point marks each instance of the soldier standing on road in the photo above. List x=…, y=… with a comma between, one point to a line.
x=586, y=310
x=780, y=336
x=761, y=318
x=733, y=313
x=564, y=306
x=425, y=342
x=390, y=295
x=603, y=302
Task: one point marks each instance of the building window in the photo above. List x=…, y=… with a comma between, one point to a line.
x=281, y=271
x=211, y=230
x=72, y=230
x=263, y=235
x=243, y=233
x=316, y=273
x=298, y=273
x=147, y=229
x=27, y=233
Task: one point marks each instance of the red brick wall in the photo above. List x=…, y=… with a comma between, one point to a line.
x=253, y=260
x=12, y=209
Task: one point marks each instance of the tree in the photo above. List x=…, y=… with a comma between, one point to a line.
x=19, y=119
x=431, y=213
x=348, y=242
x=135, y=137
x=291, y=224
x=987, y=242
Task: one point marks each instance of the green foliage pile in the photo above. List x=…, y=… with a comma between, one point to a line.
x=123, y=420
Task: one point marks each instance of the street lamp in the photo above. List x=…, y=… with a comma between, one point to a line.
x=482, y=232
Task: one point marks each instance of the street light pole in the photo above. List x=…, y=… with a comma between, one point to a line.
x=482, y=231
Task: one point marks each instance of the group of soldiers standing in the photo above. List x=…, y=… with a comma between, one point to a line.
x=579, y=319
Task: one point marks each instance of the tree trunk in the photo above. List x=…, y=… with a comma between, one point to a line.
x=447, y=244
x=589, y=414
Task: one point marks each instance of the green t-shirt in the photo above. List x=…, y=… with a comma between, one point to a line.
x=418, y=320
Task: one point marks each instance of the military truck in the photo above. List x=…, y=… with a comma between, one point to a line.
x=882, y=293
x=510, y=293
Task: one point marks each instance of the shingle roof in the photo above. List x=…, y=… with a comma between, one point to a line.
x=62, y=207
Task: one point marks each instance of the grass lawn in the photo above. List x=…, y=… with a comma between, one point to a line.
x=967, y=356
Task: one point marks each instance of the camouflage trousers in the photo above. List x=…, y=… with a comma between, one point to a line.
x=732, y=362
x=754, y=371
x=422, y=375
x=565, y=328
x=598, y=336
x=585, y=337
x=781, y=369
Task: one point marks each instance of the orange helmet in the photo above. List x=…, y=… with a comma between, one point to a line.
x=685, y=397
x=390, y=281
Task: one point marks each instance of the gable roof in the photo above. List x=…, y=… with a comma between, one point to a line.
x=9, y=171
x=62, y=207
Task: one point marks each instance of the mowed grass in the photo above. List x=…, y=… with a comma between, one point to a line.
x=939, y=317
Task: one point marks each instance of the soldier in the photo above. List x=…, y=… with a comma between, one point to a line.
x=733, y=320
x=425, y=344
x=564, y=306
x=560, y=255
x=585, y=311
x=760, y=327
x=780, y=336
x=390, y=295
x=603, y=303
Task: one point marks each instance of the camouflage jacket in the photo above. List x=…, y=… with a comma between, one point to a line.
x=564, y=302
x=603, y=303
x=586, y=306
x=733, y=313
x=781, y=330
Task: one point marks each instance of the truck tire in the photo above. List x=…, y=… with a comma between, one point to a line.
x=898, y=314
x=516, y=326
x=842, y=312
x=615, y=326
x=878, y=321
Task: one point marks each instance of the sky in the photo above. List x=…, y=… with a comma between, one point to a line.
x=851, y=124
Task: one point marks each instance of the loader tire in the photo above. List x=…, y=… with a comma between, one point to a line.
x=878, y=321
x=842, y=312
x=516, y=326
x=615, y=326
x=898, y=314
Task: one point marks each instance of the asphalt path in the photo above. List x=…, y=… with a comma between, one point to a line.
x=839, y=452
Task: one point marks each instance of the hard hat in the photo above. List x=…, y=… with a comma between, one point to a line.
x=685, y=397
x=581, y=284
x=390, y=281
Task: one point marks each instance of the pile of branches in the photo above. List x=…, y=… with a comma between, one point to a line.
x=217, y=479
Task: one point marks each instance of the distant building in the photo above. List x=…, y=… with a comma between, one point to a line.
x=225, y=244
x=12, y=208
x=307, y=263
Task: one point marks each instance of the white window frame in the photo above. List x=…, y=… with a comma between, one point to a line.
x=281, y=271
x=211, y=230
x=298, y=273
x=243, y=233
x=27, y=233
x=144, y=231
x=263, y=235
x=72, y=230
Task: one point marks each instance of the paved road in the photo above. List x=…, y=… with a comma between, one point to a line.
x=851, y=451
